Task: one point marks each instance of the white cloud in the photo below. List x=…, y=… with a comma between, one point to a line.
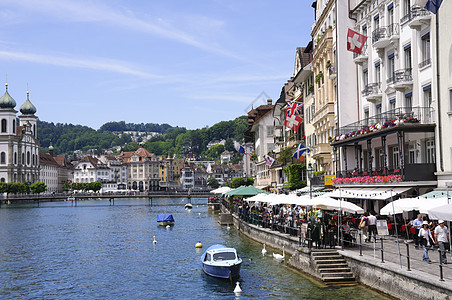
x=99, y=64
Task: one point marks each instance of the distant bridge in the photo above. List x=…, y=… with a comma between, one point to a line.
x=36, y=198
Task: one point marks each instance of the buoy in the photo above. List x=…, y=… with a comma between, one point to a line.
x=199, y=214
x=198, y=245
x=237, y=288
x=154, y=241
x=168, y=226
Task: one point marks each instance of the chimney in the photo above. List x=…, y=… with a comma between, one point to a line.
x=269, y=101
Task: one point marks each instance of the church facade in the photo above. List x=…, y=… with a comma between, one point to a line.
x=19, y=145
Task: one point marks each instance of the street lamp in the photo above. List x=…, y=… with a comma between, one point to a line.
x=309, y=172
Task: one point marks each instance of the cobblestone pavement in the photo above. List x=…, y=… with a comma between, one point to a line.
x=391, y=254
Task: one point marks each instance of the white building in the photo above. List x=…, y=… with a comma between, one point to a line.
x=49, y=172
x=19, y=146
x=90, y=169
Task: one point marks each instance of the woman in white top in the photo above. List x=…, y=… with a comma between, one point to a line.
x=425, y=237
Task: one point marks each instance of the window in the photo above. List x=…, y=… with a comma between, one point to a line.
x=425, y=50
x=430, y=146
x=377, y=72
x=3, y=158
x=395, y=157
x=408, y=101
x=391, y=66
x=14, y=126
x=15, y=158
x=390, y=14
x=407, y=55
x=4, y=128
x=450, y=100
x=365, y=77
x=407, y=7
x=377, y=21
x=378, y=109
x=427, y=96
x=270, y=130
x=392, y=104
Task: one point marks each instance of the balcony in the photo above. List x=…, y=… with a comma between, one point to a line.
x=372, y=91
x=415, y=115
x=332, y=72
x=359, y=58
x=321, y=149
x=401, y=79
x=425, y=63
x=383, y=36
x=418, y=17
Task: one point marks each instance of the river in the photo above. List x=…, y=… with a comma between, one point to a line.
x=99, y=251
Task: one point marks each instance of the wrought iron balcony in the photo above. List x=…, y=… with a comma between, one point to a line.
x=401, y=79
x=372, y=91
x=361, y=57
x=381, y=37
x=425, y=63
x=416, y=17
x=414, y=115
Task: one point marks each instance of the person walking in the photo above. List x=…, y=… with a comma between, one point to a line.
x=417, y=224
x=425, y=236
x=442, y=240
x=363, y=225
x=372, y=221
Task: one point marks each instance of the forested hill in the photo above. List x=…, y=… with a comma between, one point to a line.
x=66, y=138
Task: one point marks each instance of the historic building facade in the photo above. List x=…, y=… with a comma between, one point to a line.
x=19, y=146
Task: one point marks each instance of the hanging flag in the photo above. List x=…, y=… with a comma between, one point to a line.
x=301, y=151
x=355, y=41
x=294, y=108
x=292, y=121
x=433, y=5
x=239, y=147
x=269, y=160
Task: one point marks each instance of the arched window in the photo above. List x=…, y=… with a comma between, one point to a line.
x=2, y=179
x=14, y=126
x=15, y=158
x=23, y=159
x=4, y=127
x=33, y=159
x=34, y=130
x=3, y=158
x=28, y=157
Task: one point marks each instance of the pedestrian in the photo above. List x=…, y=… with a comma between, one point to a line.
x=363, y=225
x=426, y=240
x=372, y=221
x=417, y=224
x=442, y=240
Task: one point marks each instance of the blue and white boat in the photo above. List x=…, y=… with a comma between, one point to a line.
x=221, y=261
x=165, y=219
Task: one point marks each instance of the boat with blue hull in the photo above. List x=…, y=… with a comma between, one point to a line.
x=221, y=261
x=165, y=219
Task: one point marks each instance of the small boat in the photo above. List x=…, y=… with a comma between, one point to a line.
x=188, y=206
x=165, y=219
x=221, y=261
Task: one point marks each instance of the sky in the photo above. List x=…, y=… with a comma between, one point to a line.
x=186, y=63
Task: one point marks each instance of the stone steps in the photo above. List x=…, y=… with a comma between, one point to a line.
x=332, y=267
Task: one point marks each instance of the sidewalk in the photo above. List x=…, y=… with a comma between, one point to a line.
x=417, y=266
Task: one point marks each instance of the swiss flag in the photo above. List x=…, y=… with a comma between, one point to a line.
x=355, y=41
x=292, y=121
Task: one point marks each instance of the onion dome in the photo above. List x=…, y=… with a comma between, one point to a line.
x=50, y=147
x=6, y=101
x=28, y=108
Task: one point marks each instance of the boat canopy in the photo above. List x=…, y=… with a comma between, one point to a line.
x=165, y=217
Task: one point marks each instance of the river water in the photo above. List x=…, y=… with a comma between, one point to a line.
x=98, y=251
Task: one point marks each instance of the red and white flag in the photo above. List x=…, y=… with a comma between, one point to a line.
x=269, y=160
x=292, y=121
x=355, y=41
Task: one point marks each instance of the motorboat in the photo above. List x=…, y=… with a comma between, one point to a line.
x=188, y=206
x=165, y=219
x=221, y=261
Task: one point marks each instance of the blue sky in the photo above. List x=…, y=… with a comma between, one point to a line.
x=185, y=63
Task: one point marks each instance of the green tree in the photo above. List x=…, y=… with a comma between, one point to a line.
x=38, y=187
x=285, y=155
x=239, y=181
x=3, y=187
x=66, y=186
x=213, y=182
x=94, y=186
x=229, y=144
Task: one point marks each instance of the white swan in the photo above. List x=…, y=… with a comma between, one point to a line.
x=154, y=241
x=279, y=256
x=264, y=251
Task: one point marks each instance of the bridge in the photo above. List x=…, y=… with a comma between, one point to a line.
x=37, y=198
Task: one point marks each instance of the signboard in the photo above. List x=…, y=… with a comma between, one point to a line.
x=70, y=198
x=329, y=179
x=382, y=227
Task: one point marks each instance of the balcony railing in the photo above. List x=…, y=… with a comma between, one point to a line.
x=393, y=29
x=400, y=76
x=371, y=88
x=379, y=34
x=425, y=63
x=420, y=115
x=363, y=52
x=414, y=13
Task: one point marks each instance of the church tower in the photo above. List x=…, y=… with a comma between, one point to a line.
x=27, y=116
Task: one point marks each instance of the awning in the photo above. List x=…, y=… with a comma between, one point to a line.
x=376, y=193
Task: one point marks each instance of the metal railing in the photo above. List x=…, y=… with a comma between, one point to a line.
x=400, y=76
x=425, y=63
x=379, y=34
x=422, y=115
x=371, y=89
x=414, y=13
x=363, y=52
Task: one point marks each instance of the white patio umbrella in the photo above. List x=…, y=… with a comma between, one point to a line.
x=329, y=203
x=402, y=205
x=441, y=213
x=432, y=203
x=260, y=198
x=221, y=190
